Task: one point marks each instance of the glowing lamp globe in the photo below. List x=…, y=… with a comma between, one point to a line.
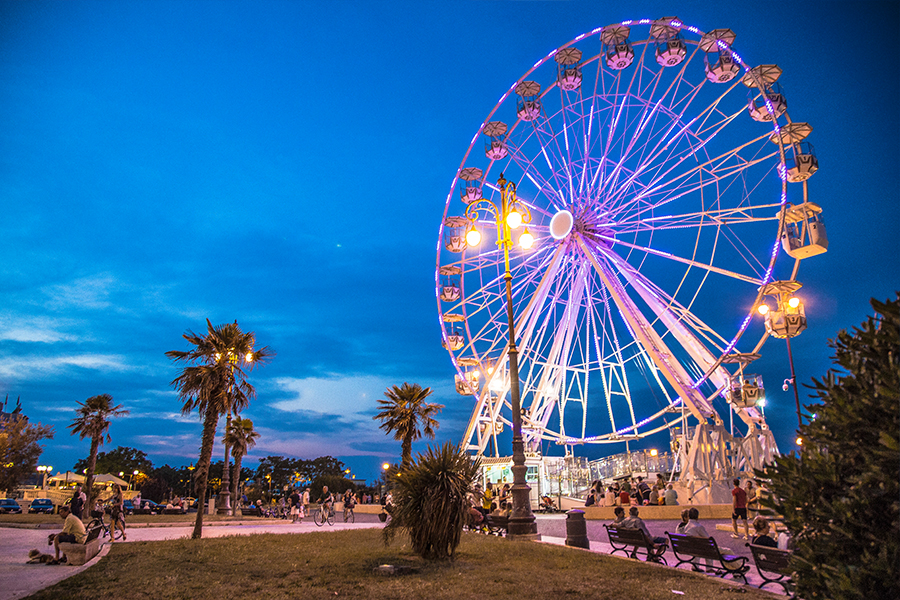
x=526, y=240
x=473, y=238
x=514, y=220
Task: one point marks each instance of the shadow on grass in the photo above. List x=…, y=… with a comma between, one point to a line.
x=341, y=563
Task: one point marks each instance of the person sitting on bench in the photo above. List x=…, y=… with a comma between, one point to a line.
x=761, y=535
x=635, y=522
x=73, y=532
x=693, y=528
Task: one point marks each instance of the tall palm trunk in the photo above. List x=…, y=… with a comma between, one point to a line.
x=89, y=475
x=210, y=421
x=235, y=486
x=406, y=450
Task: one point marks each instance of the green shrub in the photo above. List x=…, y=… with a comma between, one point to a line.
x=429, y=498
x=840, y=496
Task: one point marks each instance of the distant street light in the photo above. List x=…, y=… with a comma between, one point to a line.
x=44, y=469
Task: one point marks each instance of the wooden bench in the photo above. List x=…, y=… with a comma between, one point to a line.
x=489, y=525
x=688, y=549
x=771, y=562
x=78, y=554
x=621, y=538
x=496, y=525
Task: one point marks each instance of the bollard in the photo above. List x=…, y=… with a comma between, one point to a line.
x=576, y=529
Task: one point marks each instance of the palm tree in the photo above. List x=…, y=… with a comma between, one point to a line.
x=93, y=422
x=404, y=411
x=214, y=382
x=241, y=437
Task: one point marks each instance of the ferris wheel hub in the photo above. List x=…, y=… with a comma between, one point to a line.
x=561, y=224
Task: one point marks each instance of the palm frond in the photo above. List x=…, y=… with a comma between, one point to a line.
x=430, y=500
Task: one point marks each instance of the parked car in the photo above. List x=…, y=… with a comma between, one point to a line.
x=9, y=505
x=147, y=507
x=129, y=507
x=41, y=505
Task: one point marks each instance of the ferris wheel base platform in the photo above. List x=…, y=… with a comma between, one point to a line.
x=660, y=513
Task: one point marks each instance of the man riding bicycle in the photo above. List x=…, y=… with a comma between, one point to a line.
x=327, y=500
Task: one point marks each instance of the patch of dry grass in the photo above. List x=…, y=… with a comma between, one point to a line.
x=338, y=564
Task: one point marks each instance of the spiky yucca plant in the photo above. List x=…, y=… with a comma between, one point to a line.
x=429, y=497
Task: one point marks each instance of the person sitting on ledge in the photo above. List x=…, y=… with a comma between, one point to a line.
x=670, y=496
x=73, y=532
x=635, y=522
x=761, y=535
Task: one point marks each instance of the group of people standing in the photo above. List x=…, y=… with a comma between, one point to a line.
x=634, y=491
x=296, y=503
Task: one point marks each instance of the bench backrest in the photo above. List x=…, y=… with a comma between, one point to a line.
x=500, y=521
x=689, y=545
x=93, y=534
x=630, y=537
x=770, y=559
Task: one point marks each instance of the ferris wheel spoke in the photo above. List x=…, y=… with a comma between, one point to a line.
x=636, y=222
x=698, y=128
x=673, y=322
x=678, y=311
x=672, y=186
x=687, y=261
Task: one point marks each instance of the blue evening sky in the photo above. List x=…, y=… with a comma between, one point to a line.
x=286, y=164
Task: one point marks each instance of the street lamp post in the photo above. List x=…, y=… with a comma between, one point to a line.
x=786, y=321
x=510, y=215
x=44, y=469
x=225, y=491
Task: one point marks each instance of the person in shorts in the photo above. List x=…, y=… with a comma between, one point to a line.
x=73, y=532
x=295, y=506
x=739, y=509
x=304, y=500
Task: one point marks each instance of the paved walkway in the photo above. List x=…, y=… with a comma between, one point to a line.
x=18, y=580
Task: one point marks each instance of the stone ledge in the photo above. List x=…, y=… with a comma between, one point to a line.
x=78, y=554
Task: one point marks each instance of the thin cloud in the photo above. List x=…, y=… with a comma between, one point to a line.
x=87, y=292
x=344, y=395
x=18, y=328
x=23, y=367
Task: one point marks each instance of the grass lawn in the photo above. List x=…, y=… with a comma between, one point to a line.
x=340, y=564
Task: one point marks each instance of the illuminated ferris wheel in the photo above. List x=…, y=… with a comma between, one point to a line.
x=654, y=169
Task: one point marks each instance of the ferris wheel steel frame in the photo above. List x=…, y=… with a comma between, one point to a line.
x=593, y=303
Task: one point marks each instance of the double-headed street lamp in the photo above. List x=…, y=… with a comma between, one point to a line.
x=510, y=215
x=44, y=469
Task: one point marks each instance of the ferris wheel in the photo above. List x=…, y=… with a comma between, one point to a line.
x=654, y=169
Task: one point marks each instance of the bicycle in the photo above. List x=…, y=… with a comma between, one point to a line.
x=349, y=515
x=98, y=521
x=324, y=513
